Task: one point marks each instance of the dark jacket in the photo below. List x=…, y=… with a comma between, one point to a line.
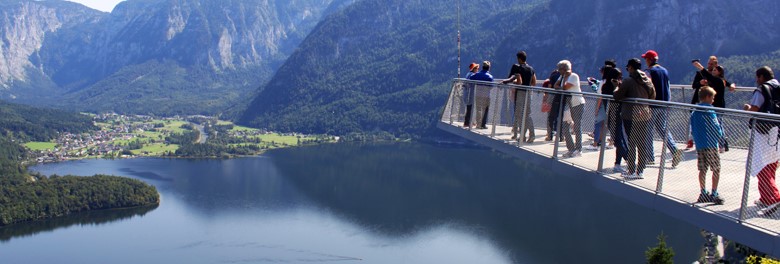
x=636, y=85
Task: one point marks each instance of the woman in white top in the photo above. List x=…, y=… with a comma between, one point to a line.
x=570, y=81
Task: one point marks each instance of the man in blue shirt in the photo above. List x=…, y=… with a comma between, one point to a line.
x=660, y=77
x=483, y=94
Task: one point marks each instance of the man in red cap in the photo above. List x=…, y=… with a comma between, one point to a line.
x=660, y=77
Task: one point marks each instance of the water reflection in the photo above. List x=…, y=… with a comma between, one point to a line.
x=88, y=218
x=396, y=190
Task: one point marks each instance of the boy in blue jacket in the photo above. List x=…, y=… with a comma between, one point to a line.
x=707, y=133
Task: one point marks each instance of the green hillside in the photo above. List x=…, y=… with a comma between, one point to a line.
x=28, y=123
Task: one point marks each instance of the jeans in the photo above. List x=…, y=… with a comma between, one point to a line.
x=576, y=116
x=638, y=132
x=660, y=116
x=520, y=109
x=615, y=126
x=467, y=119
x=552, y=116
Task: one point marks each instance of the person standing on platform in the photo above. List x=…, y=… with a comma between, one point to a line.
x=715, y=78
x=707, y=133
x=660, y=78
x=636, y=116
x=699, y=81
x=570, y=81
x=469, y=94
x=483, y=94
x=614, y=121
x=522, y=74
x=765, y=155
x=555, y=106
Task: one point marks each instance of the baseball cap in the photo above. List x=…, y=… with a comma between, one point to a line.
x=650, y=54
x=634, y=63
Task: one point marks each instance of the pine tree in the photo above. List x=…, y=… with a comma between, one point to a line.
x=660, y=254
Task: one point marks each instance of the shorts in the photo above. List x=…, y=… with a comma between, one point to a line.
x=708, y=158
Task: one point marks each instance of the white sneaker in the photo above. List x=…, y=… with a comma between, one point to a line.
x=618, y=169
x=632, y=176
x=591, y=147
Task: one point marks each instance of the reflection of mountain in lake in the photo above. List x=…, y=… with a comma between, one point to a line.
x=397, y=190
x=84, y=218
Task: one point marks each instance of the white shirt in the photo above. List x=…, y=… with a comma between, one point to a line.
x=758, y=98
x=574, y=80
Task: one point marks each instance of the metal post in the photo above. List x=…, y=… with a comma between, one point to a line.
x=660, y=184
x=523, y=113
x=493, y=131
x=603, y=137
x=558, y=125
x=746, y=187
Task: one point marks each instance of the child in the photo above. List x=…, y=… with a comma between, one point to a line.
x=707, y=134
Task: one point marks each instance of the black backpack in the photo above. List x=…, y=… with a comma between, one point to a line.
x=771, y=94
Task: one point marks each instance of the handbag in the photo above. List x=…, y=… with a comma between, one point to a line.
x=546, y=104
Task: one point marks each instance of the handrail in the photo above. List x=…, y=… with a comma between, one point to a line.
x=650, y=102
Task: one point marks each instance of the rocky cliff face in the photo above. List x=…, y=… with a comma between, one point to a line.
x=228, y=46
x=23, y=29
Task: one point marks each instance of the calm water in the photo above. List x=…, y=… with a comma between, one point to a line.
x=385, y=203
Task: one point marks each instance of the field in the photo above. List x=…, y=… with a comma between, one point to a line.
x=156, y=149
x=36, y=146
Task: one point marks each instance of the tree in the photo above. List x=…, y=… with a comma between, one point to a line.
x=660, y=254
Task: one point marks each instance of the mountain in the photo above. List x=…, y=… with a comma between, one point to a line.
x=155, y=56
x=588, y=32
x=378, y=69
x=24, y=27
x=369, y=69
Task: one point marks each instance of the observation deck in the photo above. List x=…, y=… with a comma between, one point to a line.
x=664, y=188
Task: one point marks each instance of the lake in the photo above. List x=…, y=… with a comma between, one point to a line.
x=352, y=203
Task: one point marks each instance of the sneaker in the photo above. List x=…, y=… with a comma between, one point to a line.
x=576, y=153
x=760, y=204
x=591, y=147
x=704, y=198
x=640, y=175
x=548, y=138
x=618, y=169
x=632, y=176
x=717, y=199
x=689, y=145
x=531, y=139
x=678, y=155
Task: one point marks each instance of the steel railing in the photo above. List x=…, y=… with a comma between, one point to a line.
x=506, y=110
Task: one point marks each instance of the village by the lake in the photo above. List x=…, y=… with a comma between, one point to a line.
x=129, y=136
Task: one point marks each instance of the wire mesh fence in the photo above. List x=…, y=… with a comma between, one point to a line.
x=647, y=149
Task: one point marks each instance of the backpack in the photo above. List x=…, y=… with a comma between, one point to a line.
x=771, y=105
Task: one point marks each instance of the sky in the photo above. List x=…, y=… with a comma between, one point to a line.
x=102, y=5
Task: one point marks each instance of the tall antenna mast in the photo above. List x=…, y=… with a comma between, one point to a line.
x=458, y=38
